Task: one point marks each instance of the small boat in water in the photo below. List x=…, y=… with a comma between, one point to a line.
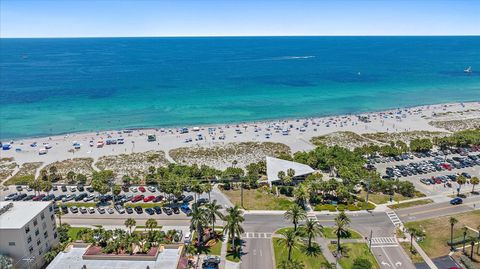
x=468, y=70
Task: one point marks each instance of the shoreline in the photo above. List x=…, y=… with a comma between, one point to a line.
x=295, y=133
x=216, y=125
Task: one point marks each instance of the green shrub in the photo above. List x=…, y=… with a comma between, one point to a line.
x=341, y=207
x=352, y=207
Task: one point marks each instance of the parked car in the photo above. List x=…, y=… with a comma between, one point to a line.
x=74, y=209
x=83, y=210
x=148, y=199
x=101, y=210
x=157, y=209
x=38, y=197
x=139, y=209
x=188, y=199
x=63, y=188
x=91, y=210
x=150, y=211
x=158, y=199
x=141, y=189
x=81, y=188
x=129, y=209
x=19, y=188
x=167, y=210
x=90, y=189
x=110, y=210
x=120, y=209
x=10, y=196
x=151, y=189
x=137, y=198
x=133, y=189
x=64, y=209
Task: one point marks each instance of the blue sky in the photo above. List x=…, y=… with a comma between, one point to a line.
x=103, y=18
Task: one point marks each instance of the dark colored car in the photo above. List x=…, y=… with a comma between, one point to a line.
x=456, y=201
x=89, y=189
x=129, y=209
x=168, y=210
x=139, y=209
x=80, y=188
x=157, y=209
x=19, y=188
x=187, y=199
x=28, y=198
x=64, y=209
x=158, y=199
x=38, y=197
x=176, y=210
x=150, y=211
x=63, y=188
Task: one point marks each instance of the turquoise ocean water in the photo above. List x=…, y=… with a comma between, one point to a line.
x=53, y=86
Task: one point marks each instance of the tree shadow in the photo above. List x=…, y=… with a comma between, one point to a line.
x=313, y=251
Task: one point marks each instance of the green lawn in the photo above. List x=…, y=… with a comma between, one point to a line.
x=380, y=198
x=410, y=204
x=437, y=231
x=310, y=261
x=216, y=249
x=256, y=199
x=328, y=233
x=80, y=204
x=353, y=251
x=73, y=231
x=415, y=257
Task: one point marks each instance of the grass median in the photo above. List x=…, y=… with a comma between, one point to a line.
x=299, y=253
x=256, y=199
x=411, y=204
x=353, y=251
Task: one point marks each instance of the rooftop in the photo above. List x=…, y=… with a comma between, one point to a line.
x=73, y=258
x=275, y=165
x=20, y=213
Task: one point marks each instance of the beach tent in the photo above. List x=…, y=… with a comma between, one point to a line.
x=6, y=146
x=275, y=165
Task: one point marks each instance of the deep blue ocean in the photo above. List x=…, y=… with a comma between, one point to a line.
x=53, y=86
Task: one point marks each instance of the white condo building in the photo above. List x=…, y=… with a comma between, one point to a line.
x=27, y=232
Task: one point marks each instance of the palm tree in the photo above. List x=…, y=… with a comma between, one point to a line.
x=301, y=194
x=465, y=230
x=129, y=223
x=151, y=224
x=341, y=223
x=414, y=232
x=311, y=229
x=233, y=220
x=196, y=188
x=474, y=181
x=213, y=211
x=452, y=221
x=328, y=265
x=281, y=175
x=208, y=189
x=290, y=240
x=59, y=214
x=198, y=221
x=460, y=180
x=295, y=213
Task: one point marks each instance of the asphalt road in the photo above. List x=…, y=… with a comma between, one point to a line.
x=438, y=209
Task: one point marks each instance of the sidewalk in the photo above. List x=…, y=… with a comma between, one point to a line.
x=323, y=242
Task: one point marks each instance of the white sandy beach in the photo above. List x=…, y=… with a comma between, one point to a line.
x=300, y=131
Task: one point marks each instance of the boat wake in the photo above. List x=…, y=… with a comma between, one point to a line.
x=291, y=57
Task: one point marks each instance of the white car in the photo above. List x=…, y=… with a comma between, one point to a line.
x=134, y=189
x=73, y=209
x=101, y=210
x=83, y=210
x=90, y=197
x=151, y=189
x=91, y=210
x=110, y=210
x=73, y=189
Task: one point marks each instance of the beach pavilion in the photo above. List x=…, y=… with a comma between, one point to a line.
x=275, y=165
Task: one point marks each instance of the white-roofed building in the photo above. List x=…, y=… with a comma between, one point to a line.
x=275, y=165
x=27, y=232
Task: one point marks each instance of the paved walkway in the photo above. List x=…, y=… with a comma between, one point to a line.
x=323, y=242
x=223, y=252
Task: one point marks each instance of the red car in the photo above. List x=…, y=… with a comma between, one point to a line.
x=141, y=188
x=148, y=198
x=38, y=197
x=137, y=198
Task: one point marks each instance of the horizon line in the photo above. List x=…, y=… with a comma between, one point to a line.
x=220, y=36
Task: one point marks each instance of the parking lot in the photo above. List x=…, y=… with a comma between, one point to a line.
x=434, y=173
x=137, y=201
